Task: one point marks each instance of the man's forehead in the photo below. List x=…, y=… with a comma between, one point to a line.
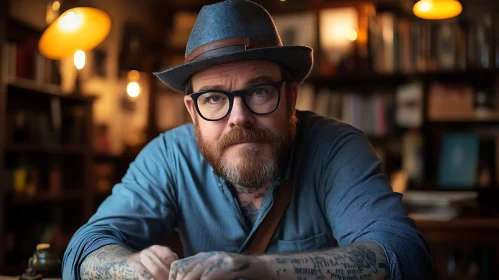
x=241, y=70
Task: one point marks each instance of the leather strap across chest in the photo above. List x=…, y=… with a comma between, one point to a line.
x=263, y=234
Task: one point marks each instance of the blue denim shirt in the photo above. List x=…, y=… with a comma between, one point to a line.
x=340, y=196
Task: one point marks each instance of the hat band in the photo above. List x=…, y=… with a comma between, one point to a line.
x=226, y=45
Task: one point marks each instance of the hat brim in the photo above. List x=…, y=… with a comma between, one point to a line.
x=298, y=59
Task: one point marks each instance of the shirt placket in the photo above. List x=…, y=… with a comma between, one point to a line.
x=224, y=187
x=267, y=203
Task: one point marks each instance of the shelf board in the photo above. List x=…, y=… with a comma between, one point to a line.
x=98, y=156
x=369, y=79
x=44, y=197
x=32, y=88
x=358, y=80
x=477, y=223
x=471, y=117
x=48, y=148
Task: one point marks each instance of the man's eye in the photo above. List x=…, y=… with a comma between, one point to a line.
x=213, y=99
x=260, y=91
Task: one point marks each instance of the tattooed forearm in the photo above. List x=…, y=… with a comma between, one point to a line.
x=357, y=261
x=110, y=262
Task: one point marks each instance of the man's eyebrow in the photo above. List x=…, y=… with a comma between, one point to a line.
x=249, y=83
x=259, y=80
x=212, y=87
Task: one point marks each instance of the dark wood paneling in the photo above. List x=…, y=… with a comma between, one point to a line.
x=4, y=8
x=461, y=236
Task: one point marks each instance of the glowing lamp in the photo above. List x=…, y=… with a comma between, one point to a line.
x=79, y=59
x=133, y=88
x=437, y=9
x=80, y=28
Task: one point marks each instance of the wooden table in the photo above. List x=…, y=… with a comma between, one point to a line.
x=464, y=236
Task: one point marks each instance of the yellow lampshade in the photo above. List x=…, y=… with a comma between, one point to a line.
x=81, y=28
x=437, y=9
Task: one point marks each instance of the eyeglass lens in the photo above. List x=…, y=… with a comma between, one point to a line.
x=260, y=100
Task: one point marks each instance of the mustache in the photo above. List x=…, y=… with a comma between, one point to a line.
x=241, y=135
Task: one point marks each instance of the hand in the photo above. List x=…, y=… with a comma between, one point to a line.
x=218, y=265
x=153, y=262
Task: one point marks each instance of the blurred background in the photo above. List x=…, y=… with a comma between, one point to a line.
x=78, y=101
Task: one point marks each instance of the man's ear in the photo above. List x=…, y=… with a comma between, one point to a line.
x=189, y=105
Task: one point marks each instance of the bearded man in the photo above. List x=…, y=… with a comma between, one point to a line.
x=255, y=188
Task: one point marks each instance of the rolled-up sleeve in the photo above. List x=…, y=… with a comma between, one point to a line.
x=361, y=206
x=141, y=210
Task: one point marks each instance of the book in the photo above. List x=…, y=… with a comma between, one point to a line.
x=458, y=160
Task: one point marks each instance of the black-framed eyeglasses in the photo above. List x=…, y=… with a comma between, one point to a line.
x=261, y=99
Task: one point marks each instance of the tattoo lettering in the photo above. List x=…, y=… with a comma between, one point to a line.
x=279, y=271
x=218, y=264
x=357, y=261
x=250, y=212
x=307, y=271
x=242, y=267
x=291, y=261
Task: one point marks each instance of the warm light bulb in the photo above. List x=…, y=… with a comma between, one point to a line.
x=79, y=59
x=133, y=89
x=133, y=75
x=425, y=6
x=437, y=9
x=352, y=35
x=56, y=5
x=70, y=22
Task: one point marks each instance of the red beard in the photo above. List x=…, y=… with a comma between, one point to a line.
x=251, y=171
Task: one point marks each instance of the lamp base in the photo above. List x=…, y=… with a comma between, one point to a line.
x=77, y=87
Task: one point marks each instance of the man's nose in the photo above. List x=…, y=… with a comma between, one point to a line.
x=240, y=115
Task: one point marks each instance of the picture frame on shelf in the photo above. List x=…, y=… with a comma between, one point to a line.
x=297, y=29
x=338, y=32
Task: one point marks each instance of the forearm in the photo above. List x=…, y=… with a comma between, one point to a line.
x=112, y=262
x=365, y=260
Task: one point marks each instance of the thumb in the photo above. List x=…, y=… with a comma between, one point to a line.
x=165, y=254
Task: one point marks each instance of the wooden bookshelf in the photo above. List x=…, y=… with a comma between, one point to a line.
x=47, y=197
x=26, y=88
x=467, y=117
x=369, y=79
x=4, y=8
x=52, y=145
x=46, y=148
x=462, y=236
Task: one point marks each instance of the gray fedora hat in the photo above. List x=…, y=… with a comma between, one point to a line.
x=235, y=30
